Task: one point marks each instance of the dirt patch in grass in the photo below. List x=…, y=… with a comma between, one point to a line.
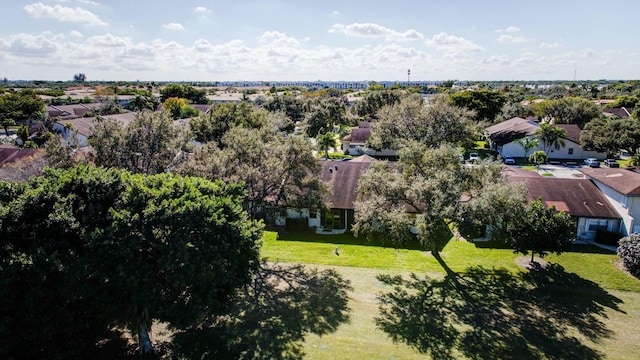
x=525, y=262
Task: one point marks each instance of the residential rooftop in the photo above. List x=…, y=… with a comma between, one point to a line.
x=577, y=197
x=624, y=181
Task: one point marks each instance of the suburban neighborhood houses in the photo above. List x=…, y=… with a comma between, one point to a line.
x=605, y=202
x=207, y=185
x=319, y=180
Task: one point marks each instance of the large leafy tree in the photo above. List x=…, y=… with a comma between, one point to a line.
x=188, y=92
x=114, y=251
x=551, y=136
x=293, y=107
x=568, y=110
x=612, y=135
x=20, y=107
x=142, y=102
x=324, y=115
x=514, y=109
x=373, y=101
x=540, y=230
x=486, y=104
x=486, y=213
x=628, y=101
x=411, y=120
x=6, y=123
x=596, y=135
x=150, y=144
x=275, y=169
x=179, y=109
x=222, y=117
x=422, y=192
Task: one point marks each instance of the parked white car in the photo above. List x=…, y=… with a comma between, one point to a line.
x=509, y=160
x=593, y=162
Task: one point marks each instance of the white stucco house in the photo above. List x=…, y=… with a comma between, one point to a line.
x=621, y=187
x=503, y=138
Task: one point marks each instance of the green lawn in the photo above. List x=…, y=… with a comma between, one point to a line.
x=529, y=167
x=604, y=298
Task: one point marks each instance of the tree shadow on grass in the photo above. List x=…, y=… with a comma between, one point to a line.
x=494, y=314
x=271, y=316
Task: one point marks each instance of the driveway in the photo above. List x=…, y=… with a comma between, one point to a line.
x=559, y=171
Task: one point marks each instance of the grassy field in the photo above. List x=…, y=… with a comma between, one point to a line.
x=599, y=303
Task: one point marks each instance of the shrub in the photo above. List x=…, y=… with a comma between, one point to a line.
x=629, y=252
x=608, y=237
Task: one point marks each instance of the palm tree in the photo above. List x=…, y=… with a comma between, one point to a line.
x=527, y=144
x=326, y=141
x=551, y=136
x=538, y=157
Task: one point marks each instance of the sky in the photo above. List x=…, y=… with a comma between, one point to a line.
x=309, y=40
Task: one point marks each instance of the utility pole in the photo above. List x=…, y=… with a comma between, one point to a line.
x=408, y=76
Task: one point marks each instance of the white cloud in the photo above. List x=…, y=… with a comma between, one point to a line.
x=496, y=59
x=202, y=10
x=173, y=26
x=108, y=40
x=545, y=45
x=509, y=39
x=64, y=14
x=278, y=39
x=32, y=45
x=89, y=2
x=335, y=13
x=370, y=30
x=452, y=44
x=279, y=56
x=510, y=29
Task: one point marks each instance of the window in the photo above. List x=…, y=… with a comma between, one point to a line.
x=597, y=224
x=570, y=151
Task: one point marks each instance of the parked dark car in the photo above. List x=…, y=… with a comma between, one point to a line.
x=611, y=163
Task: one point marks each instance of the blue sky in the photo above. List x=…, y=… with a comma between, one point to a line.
x=319, y=40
